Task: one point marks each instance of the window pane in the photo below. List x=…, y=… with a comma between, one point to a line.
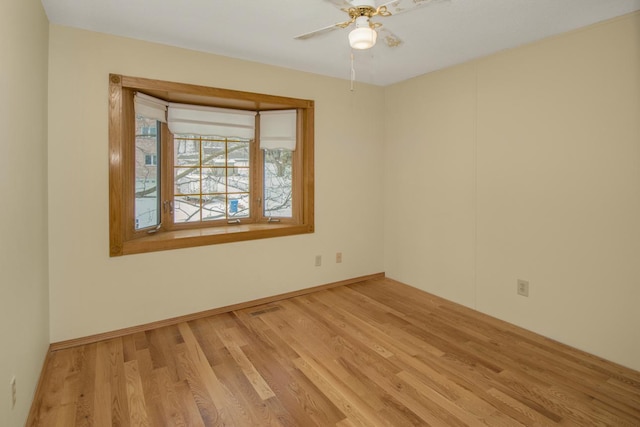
x=277, y=183
x=219, y=176
x=213, y=153
x=213, y=207
x=238, y=180
x=187, y=180
x=239, y=152
x=238, y=173
x=213, y=180
x=147, y=174
x=186, y=208
x=186, y=152
x=238, y=206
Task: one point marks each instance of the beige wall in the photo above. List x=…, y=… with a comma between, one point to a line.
x=523, y=165
x=24, y=316
x=92, y=293
x=526, y=164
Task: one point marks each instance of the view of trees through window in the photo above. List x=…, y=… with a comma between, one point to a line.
x=278, y=181
x=211, y=178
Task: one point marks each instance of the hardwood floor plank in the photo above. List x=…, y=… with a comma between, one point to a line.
x=531, y=416
x=448, y=405
x=355, y=410
x=140, y=341
x=198, y=390
x=192, y=414
x=174, y=410
x=320, y=408
x=167, y=338
x=119, y=398
x=346, y=372
x=623, y=392
x=102, y=414
x=128, y=348
x=230, y=409
x=346, y=329
x=234, y=379
x=254, y=377
x=85, y=398
x=374, y=353
x=385, y=375
x=135, y=394
x=155, y=413
x=48, y=403
x=69, y=397
x=298, y=401
x=447, y=387
x=66, y=417
x=350, y=373
x=352, y=349
x=365, y=319
x=199, y=365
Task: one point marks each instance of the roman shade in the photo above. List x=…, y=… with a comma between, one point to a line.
x=150, y=107
x=278, y=129
x=211, y=121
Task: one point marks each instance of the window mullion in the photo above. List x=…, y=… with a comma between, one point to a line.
x=166, y=177
x=257, y=187
x=200, y=171
x=129, y=148
x=226, y=181
x=296, y=169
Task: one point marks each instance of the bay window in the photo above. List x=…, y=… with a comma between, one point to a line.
x=192, y=165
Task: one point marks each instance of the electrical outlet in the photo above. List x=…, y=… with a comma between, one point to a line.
x=338, y=257
x=318, y=260
x=523, y=288
x=14, y=391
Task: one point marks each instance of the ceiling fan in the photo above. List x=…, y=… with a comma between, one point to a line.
x=360, y=12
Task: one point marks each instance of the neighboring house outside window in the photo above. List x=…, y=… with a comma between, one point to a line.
x=150, y=159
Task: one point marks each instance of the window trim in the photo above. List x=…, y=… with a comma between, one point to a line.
x=122, y=238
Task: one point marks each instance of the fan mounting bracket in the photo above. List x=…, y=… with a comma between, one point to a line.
x=368, y=11
x=357, y=11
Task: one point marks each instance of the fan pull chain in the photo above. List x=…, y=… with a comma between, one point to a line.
x=353, y=73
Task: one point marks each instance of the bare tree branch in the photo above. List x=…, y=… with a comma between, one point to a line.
x=207, y=159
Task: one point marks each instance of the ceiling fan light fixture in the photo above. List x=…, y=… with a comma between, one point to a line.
x=363, y=38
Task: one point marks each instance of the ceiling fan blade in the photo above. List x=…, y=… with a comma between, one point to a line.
x=323, y=30
x=340, y=4
x=400, y=6
x=389, y=38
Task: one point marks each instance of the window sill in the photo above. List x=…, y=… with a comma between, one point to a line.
x=168, y=240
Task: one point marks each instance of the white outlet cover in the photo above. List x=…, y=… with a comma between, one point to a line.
x=12, y=383
x=523, y=288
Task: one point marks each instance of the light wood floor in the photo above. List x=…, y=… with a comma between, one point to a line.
x=376, y=353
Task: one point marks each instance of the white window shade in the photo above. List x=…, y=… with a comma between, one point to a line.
x=278, y=129
x=150, y=107
x=211, y=121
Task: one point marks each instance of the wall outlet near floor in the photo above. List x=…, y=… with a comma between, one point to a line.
x=523, y=288
x=338, y=257
x=318, y=260
x=14, y=391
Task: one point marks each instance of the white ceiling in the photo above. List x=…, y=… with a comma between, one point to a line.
x=435, y=36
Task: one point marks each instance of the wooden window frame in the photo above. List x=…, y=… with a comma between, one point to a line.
x=124, y=240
